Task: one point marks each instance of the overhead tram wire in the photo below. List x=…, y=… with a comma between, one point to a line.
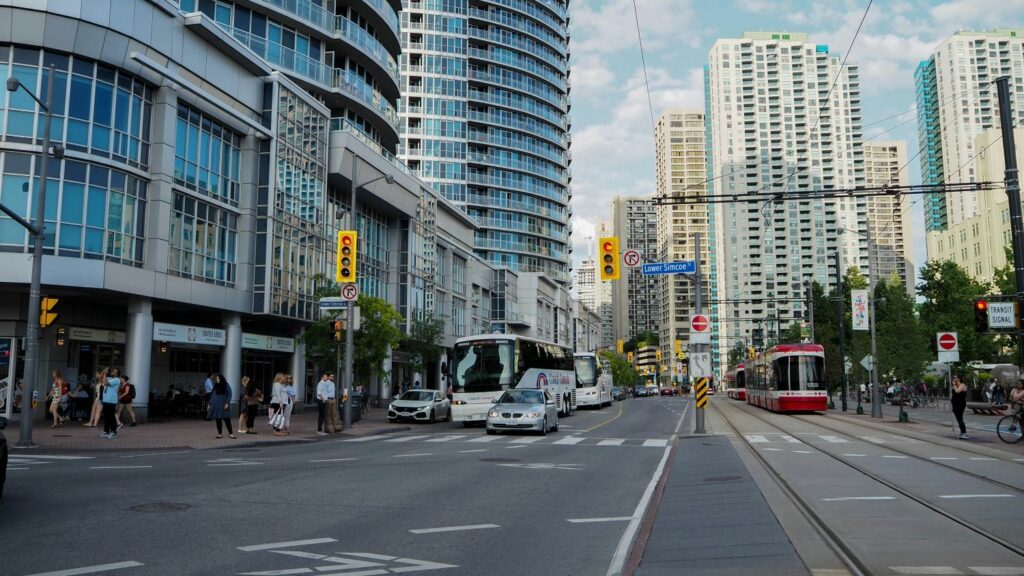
x=643, y=60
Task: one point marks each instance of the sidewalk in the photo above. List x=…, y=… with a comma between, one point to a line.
x=194, y=433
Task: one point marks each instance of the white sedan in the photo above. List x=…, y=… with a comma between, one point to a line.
x=421, y=406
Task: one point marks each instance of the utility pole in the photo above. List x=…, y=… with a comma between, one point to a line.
x=841, y=310
x=876, y=392
x=1013, y=195
x=346, y=412
x=698, y=284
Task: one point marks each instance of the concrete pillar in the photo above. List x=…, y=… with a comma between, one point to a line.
x=231, y=356
x=384, y=385
x=298, y=371
x=139, y=352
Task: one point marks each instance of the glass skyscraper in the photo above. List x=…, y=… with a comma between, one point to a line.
x=484, y=120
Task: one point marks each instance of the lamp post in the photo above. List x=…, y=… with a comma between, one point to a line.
x=876, y=399
x=35, y=291
x=347, y=383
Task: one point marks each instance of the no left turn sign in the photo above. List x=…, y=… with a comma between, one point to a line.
x=631, y=258
x=350, y=292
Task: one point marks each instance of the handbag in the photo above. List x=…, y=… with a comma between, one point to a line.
x=277, y=420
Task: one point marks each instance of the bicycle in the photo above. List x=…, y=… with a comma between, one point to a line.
x=1009, y=428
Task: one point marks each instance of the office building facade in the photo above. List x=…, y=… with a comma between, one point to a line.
x=885, y=164
x=634, y=303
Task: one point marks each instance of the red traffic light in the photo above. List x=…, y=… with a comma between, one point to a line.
x=981, y=305
x=608, y=247
x=346, y=240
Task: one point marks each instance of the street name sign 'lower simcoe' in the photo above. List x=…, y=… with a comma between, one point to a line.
x=681, y=267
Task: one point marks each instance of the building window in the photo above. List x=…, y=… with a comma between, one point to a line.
x=206, y=156
x=203, y=239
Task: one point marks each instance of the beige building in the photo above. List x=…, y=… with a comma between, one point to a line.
x=889, y=216
x=978, y=244
x=681, y=164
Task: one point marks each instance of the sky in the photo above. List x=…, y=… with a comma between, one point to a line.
x=612, y=128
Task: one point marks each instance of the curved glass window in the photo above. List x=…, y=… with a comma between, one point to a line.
x=206, y=155
x=96, y=109
x=203, y=239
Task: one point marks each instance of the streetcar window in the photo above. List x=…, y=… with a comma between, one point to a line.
x=812, y=371
x=782, y=373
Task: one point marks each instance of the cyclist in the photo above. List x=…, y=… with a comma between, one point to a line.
x=1017, y=400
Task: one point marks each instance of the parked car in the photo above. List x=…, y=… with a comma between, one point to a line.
x=530, y=410
x=3, y=455
x=668, y=391
x=420, y=406
x=618, y=393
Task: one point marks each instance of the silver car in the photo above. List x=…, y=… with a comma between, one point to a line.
x=420, y=405
x=532, y=410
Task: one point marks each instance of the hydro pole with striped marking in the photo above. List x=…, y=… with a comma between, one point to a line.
x=698, y=283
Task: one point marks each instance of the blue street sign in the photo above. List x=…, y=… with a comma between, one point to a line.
x=681, y=267
x=333, y=303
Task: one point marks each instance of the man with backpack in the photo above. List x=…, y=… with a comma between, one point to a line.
x=125, y=396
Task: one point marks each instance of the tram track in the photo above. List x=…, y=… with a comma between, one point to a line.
x=847, y=555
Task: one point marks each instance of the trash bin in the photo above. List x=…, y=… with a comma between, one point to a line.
x=356, y=406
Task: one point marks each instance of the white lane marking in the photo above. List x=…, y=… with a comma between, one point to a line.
x=334, y=460
x=408, y=438
x=803, y=451
x=834, y=439
x=9, y=468
x=925, y=570
x=116, y=467
x=790, y=439
x=845, y=498
x=518, y=446
x=984, y=458
x=873, y=439
x=626, y=542
x=484, y=439
x=54, y=457
x=860, y=455
x=941, y=458
x=612, y=442
x=610, y=519
x=469, y=451
x=274, y=545
x=92, y=569
x=952, y=496
x=217, y=464
x=525, y=440
x=454, y=528
x=656, y=442
x=772, y=449
x=1018, y=459
x=365, y=438
x=22, y=460
x=447, y=438
x=155, y=454
x=899, y=457
x=755, y=438
x=570, y=440
x=997, y=570
x=412, y=455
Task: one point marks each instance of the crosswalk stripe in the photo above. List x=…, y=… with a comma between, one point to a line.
x=790, y=439
x=755, y=438
x=17, y=460
x=408, y=438
x=365, y=438
x=484, y=439
x=53, y=457
x=447, y=438
x=656, y=442
x=570, y=440
x=834, y=439
x=612, y=442
x=524, y=440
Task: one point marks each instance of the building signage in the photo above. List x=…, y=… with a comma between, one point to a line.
x=270, y=343
x=188, y=334
x=859, y=299
x=95, y=335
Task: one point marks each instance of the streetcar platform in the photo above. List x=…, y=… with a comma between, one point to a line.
x=713, y=520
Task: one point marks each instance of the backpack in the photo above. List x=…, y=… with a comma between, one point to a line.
x=131, y=391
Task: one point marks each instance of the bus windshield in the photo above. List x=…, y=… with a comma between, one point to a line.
x=586, y=371
x=484, y=366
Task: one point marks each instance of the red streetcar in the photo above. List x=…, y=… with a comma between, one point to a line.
x=788, y=378
x=736, y=383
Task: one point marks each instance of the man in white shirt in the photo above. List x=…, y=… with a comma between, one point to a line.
x=327, y=406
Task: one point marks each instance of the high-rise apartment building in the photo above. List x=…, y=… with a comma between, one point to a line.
x=956, y=101
x=586, y=283
x=485, y=121
x=889, y=216
x=681, y=162
x=783, y=116
x=635, y=296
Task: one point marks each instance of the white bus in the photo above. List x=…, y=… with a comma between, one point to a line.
x=487, y=365
x=593, y=380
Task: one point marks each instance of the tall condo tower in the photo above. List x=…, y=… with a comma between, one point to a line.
x=485, y=121
x=783, y=116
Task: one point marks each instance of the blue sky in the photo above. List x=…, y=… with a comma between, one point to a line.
x=613, y=138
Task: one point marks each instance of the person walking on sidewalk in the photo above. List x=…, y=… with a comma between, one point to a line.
x=253, y=399
x=53, y=398
x=959, y=404
x=110, y=383
x=278, y=402
x=327, y=421
x=125, y=396
x=289, y=388
x=220, y=405
x=321, y=402
x=96, y=412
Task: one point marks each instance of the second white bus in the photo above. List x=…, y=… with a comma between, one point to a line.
x=593, y=380
x=487, y=365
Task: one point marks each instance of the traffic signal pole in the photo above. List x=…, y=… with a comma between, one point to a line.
x=1013, y=195
x=698, y=304
x=841, y=310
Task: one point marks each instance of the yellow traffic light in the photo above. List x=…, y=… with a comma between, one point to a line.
x=629, y=356
x=657, y=354
x=46, y=315
x=609, y=257
x=345, y=271
x=618, y=346
x=679, y=347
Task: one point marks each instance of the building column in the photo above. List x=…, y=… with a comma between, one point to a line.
x=298, y=371
x=231, y=355
x=138, y=362
x=384, y=388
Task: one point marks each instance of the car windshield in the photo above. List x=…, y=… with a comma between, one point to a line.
x=522, y=397
x=420, y=395
x=586, y=371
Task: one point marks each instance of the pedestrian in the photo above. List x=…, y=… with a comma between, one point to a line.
x=364, y=401
x=289, y=388
x=959, y=403
x=253, y=399
x=110, y=382
x=220, y=405
x=207, y=391
x=1017, y=398
x=278, y=402
x=416, y=386
x=53, y=398
x=125, y=396
x=324, y=391
x=999, y=394
x=97, y=401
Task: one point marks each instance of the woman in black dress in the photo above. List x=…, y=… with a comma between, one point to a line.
x=220, y=405
x=959, y=403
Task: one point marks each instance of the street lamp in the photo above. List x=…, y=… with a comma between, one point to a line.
x=34, y=294
x=346, y=410
x=876, y=399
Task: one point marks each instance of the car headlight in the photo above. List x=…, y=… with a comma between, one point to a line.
x=492, y=413
x=534, y=414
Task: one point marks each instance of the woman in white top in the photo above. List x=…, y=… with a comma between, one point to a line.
x=56, y=391
x=289, y=389
x=278, y=400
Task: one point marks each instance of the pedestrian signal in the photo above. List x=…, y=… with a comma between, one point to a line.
x=336, y=325
x=609, y=249
x=46, y=315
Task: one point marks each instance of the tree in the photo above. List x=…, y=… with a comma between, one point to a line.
x=902, y=346
x=424, y=340
x=949, y=294
x=792, y=334
x=623, y=373
x=378, y=334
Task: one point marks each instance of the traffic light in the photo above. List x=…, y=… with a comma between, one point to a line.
x=679, y=348
x=618, y=346
x=336, y=325
x=61, y=336
x=657, y=354
x=46, y=314
x=629, y=356
x=609, y=249
x=346, y=269
x=981, y=315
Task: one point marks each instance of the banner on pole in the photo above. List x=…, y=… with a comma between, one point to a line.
x=859, y=299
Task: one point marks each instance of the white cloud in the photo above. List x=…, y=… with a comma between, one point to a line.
x=957, y=14
x=611, y=26
x=591, y=74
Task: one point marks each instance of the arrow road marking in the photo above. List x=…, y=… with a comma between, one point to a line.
x=454, y=528
x=286, y=544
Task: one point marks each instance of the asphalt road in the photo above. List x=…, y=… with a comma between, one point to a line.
x=442, y=498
